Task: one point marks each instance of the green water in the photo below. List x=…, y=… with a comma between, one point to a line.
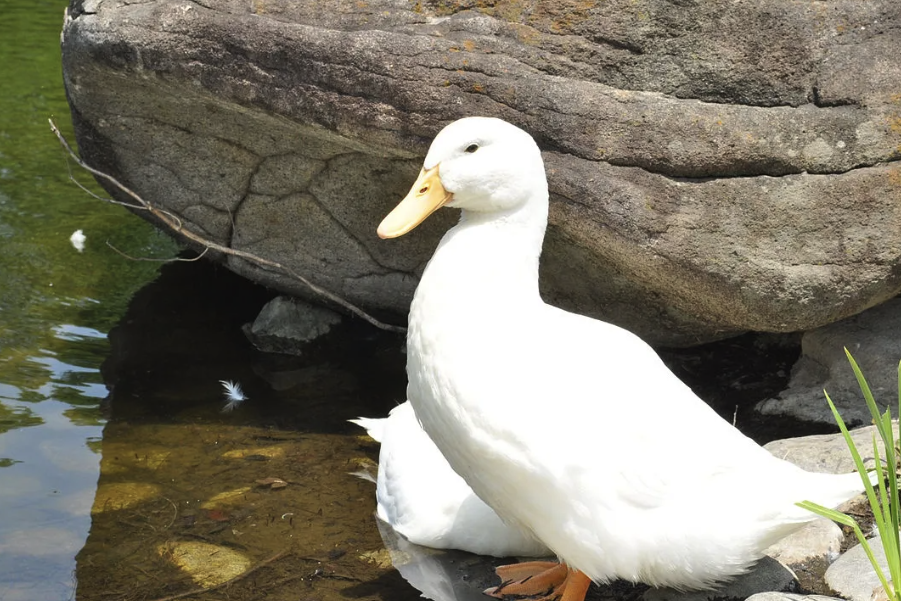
x=56, y=306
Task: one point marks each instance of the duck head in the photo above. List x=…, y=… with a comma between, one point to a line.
x=478, y=164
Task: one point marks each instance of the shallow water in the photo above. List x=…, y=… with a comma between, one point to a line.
x=271, y=479
x=56, y=305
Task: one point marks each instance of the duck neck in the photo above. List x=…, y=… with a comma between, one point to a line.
x=489, y=259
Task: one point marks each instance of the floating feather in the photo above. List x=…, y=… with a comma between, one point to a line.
x=234, y=396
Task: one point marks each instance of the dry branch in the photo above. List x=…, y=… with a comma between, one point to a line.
x=172, y=221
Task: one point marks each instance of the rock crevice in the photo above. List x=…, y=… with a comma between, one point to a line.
x=714, y=167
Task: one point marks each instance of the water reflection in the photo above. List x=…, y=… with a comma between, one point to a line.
x=266, y=486
x=55, y=306
x=440, y=575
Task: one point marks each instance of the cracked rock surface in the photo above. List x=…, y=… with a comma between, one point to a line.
x=714, y=166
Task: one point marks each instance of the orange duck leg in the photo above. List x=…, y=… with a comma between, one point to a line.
x=540, y=581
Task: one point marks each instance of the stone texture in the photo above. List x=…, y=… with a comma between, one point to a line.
x=773, y=596
x=208, y=565
x=828, y=453
x=820, y=540
x=714, y=166
x=874, y=339
x=287, y=325
x=853, y=577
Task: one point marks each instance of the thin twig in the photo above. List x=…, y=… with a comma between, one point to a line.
x=240, y=576
x=174, y=516
x=175, y=223
x=131, y=258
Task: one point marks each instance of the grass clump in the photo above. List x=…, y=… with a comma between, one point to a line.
x=883, y=500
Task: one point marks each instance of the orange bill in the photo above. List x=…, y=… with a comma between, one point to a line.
x=425, y=197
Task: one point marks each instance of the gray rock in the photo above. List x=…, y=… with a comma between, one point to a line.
x=820, y=540
x=287, y=325
x=828, y=453
x=853, y=577
x=767, y=575
x=771, y=596
x=874, y=338
x=714, y=166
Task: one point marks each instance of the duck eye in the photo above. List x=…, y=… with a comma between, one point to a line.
x=472, y=148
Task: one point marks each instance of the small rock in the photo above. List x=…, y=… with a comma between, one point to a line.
x=208, y=565
x=767, y=575
x=287, y=325
x=821, y=539
x=874, y=338
x=853, y=577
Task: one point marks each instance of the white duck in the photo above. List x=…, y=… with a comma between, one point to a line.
x=423, y=499
x=570, y=428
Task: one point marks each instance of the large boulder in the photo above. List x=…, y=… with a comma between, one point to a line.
x=715, y=166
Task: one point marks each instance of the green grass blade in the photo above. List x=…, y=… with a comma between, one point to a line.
x=832, y=514
x=893, y=546
x=883, y=497
x=883, y=516
x=858, y=462
x=867, y=395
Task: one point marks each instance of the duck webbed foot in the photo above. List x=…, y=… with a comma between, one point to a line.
x=540, y=581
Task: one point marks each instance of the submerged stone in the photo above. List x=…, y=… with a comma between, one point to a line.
x=208, y=565
x=227, y=498
x=122, y=495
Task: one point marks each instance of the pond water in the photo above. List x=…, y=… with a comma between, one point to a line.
x=56, y=305
x=115, y=456
x=118, y=467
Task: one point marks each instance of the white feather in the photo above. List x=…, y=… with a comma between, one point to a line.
x=78, y=239
x=422, y=498
x=234, y=396
x=570, y=428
